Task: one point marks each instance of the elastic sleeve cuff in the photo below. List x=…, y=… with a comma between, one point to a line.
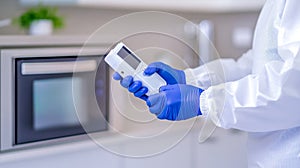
x=209, y=108
x=203, y=104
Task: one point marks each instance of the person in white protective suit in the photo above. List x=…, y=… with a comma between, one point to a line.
x=260, y=95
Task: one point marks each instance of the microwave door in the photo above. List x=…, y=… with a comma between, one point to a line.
x=56, y=98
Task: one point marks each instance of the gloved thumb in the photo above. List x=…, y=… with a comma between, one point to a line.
x=154, y=67
x=154, y=103
x=152, y=100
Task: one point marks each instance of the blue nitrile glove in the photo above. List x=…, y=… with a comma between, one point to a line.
x=134, y=87
x=169, y=74
x=175, y=102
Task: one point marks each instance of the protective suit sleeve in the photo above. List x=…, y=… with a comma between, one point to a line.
x=269, y=99
x=219, y=71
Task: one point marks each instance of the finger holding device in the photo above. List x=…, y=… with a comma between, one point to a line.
x=126, y=63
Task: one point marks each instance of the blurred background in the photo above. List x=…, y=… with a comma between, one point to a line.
x=230, y=18
x=226, y=30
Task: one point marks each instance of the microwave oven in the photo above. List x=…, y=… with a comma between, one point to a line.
x=52, y=94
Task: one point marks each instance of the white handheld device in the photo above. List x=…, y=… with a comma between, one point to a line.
x=125, y=62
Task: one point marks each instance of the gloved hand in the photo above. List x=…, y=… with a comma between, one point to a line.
x=134, y=87
x=169, y=74
x=175, y=102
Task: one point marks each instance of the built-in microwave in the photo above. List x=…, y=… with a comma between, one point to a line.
x=51, y=94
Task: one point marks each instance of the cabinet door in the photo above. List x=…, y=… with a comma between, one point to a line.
x=225, y=148
x=91, y=156
x=176, y=157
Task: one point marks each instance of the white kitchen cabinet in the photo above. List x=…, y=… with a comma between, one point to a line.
x=80, y=155
x=225, y=148
x=178, y=156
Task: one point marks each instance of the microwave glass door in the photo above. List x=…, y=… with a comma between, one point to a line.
x=48, y=98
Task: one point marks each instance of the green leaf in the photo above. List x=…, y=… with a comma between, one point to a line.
x=37, y=13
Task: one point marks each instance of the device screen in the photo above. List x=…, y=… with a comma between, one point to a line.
x=127, y=56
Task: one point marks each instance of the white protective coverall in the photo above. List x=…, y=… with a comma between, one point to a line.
x=260, y=92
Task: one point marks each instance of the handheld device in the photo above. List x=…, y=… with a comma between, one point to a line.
x=125, y=62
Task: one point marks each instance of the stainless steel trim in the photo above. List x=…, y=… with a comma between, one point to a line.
x=7, y=102
x=58, y=67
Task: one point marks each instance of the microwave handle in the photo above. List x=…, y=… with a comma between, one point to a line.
x=58, y=67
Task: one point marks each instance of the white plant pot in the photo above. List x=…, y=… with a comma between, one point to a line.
x=41, y=27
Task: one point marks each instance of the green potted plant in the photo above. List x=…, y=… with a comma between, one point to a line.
x=40, y=20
